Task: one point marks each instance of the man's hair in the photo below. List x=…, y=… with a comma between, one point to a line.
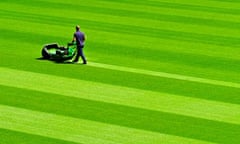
x=77, y=27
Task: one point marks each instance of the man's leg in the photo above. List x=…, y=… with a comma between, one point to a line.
x=82, y=56
x=78, y=54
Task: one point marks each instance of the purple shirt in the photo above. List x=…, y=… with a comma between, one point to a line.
x=80, y=38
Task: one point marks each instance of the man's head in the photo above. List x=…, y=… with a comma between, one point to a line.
x=77, y=28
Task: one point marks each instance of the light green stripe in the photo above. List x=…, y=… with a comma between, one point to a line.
x=157, y=101
x=166, y=75
x=79, y=130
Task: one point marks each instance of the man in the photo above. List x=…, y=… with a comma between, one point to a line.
x=79, y=37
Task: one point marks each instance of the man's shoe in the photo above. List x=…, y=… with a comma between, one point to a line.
x=85, y=62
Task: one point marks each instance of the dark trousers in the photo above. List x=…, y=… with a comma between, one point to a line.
x=80, y=54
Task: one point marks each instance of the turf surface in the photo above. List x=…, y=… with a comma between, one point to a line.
x=159, y=72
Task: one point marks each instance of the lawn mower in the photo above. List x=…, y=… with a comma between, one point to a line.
x=59, y=53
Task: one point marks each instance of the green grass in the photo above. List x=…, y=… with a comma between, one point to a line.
x=9, y=136
x=159, y=72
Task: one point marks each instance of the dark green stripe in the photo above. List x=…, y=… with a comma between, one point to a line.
x=161, y=122
x=14, y=137
x=30, y=37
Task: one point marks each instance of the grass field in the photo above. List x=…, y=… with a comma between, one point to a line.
x=159, y=71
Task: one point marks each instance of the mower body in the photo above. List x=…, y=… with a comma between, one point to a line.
x=59, y=53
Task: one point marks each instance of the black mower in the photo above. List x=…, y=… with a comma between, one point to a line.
x=59, y=53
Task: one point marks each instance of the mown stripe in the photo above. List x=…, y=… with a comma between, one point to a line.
x=14, y=137
x=218, y=111
x=99, y=39
x=166, y=75
x=126, y=79
x=145, y=52
x=30, y=51
x=86, y=10
x=176, y=57
x=196, y=60
x=129, y=12
x=148, y=4
x=142, y=119
x=139, y=41
x=79, y=130
x=135, y=30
